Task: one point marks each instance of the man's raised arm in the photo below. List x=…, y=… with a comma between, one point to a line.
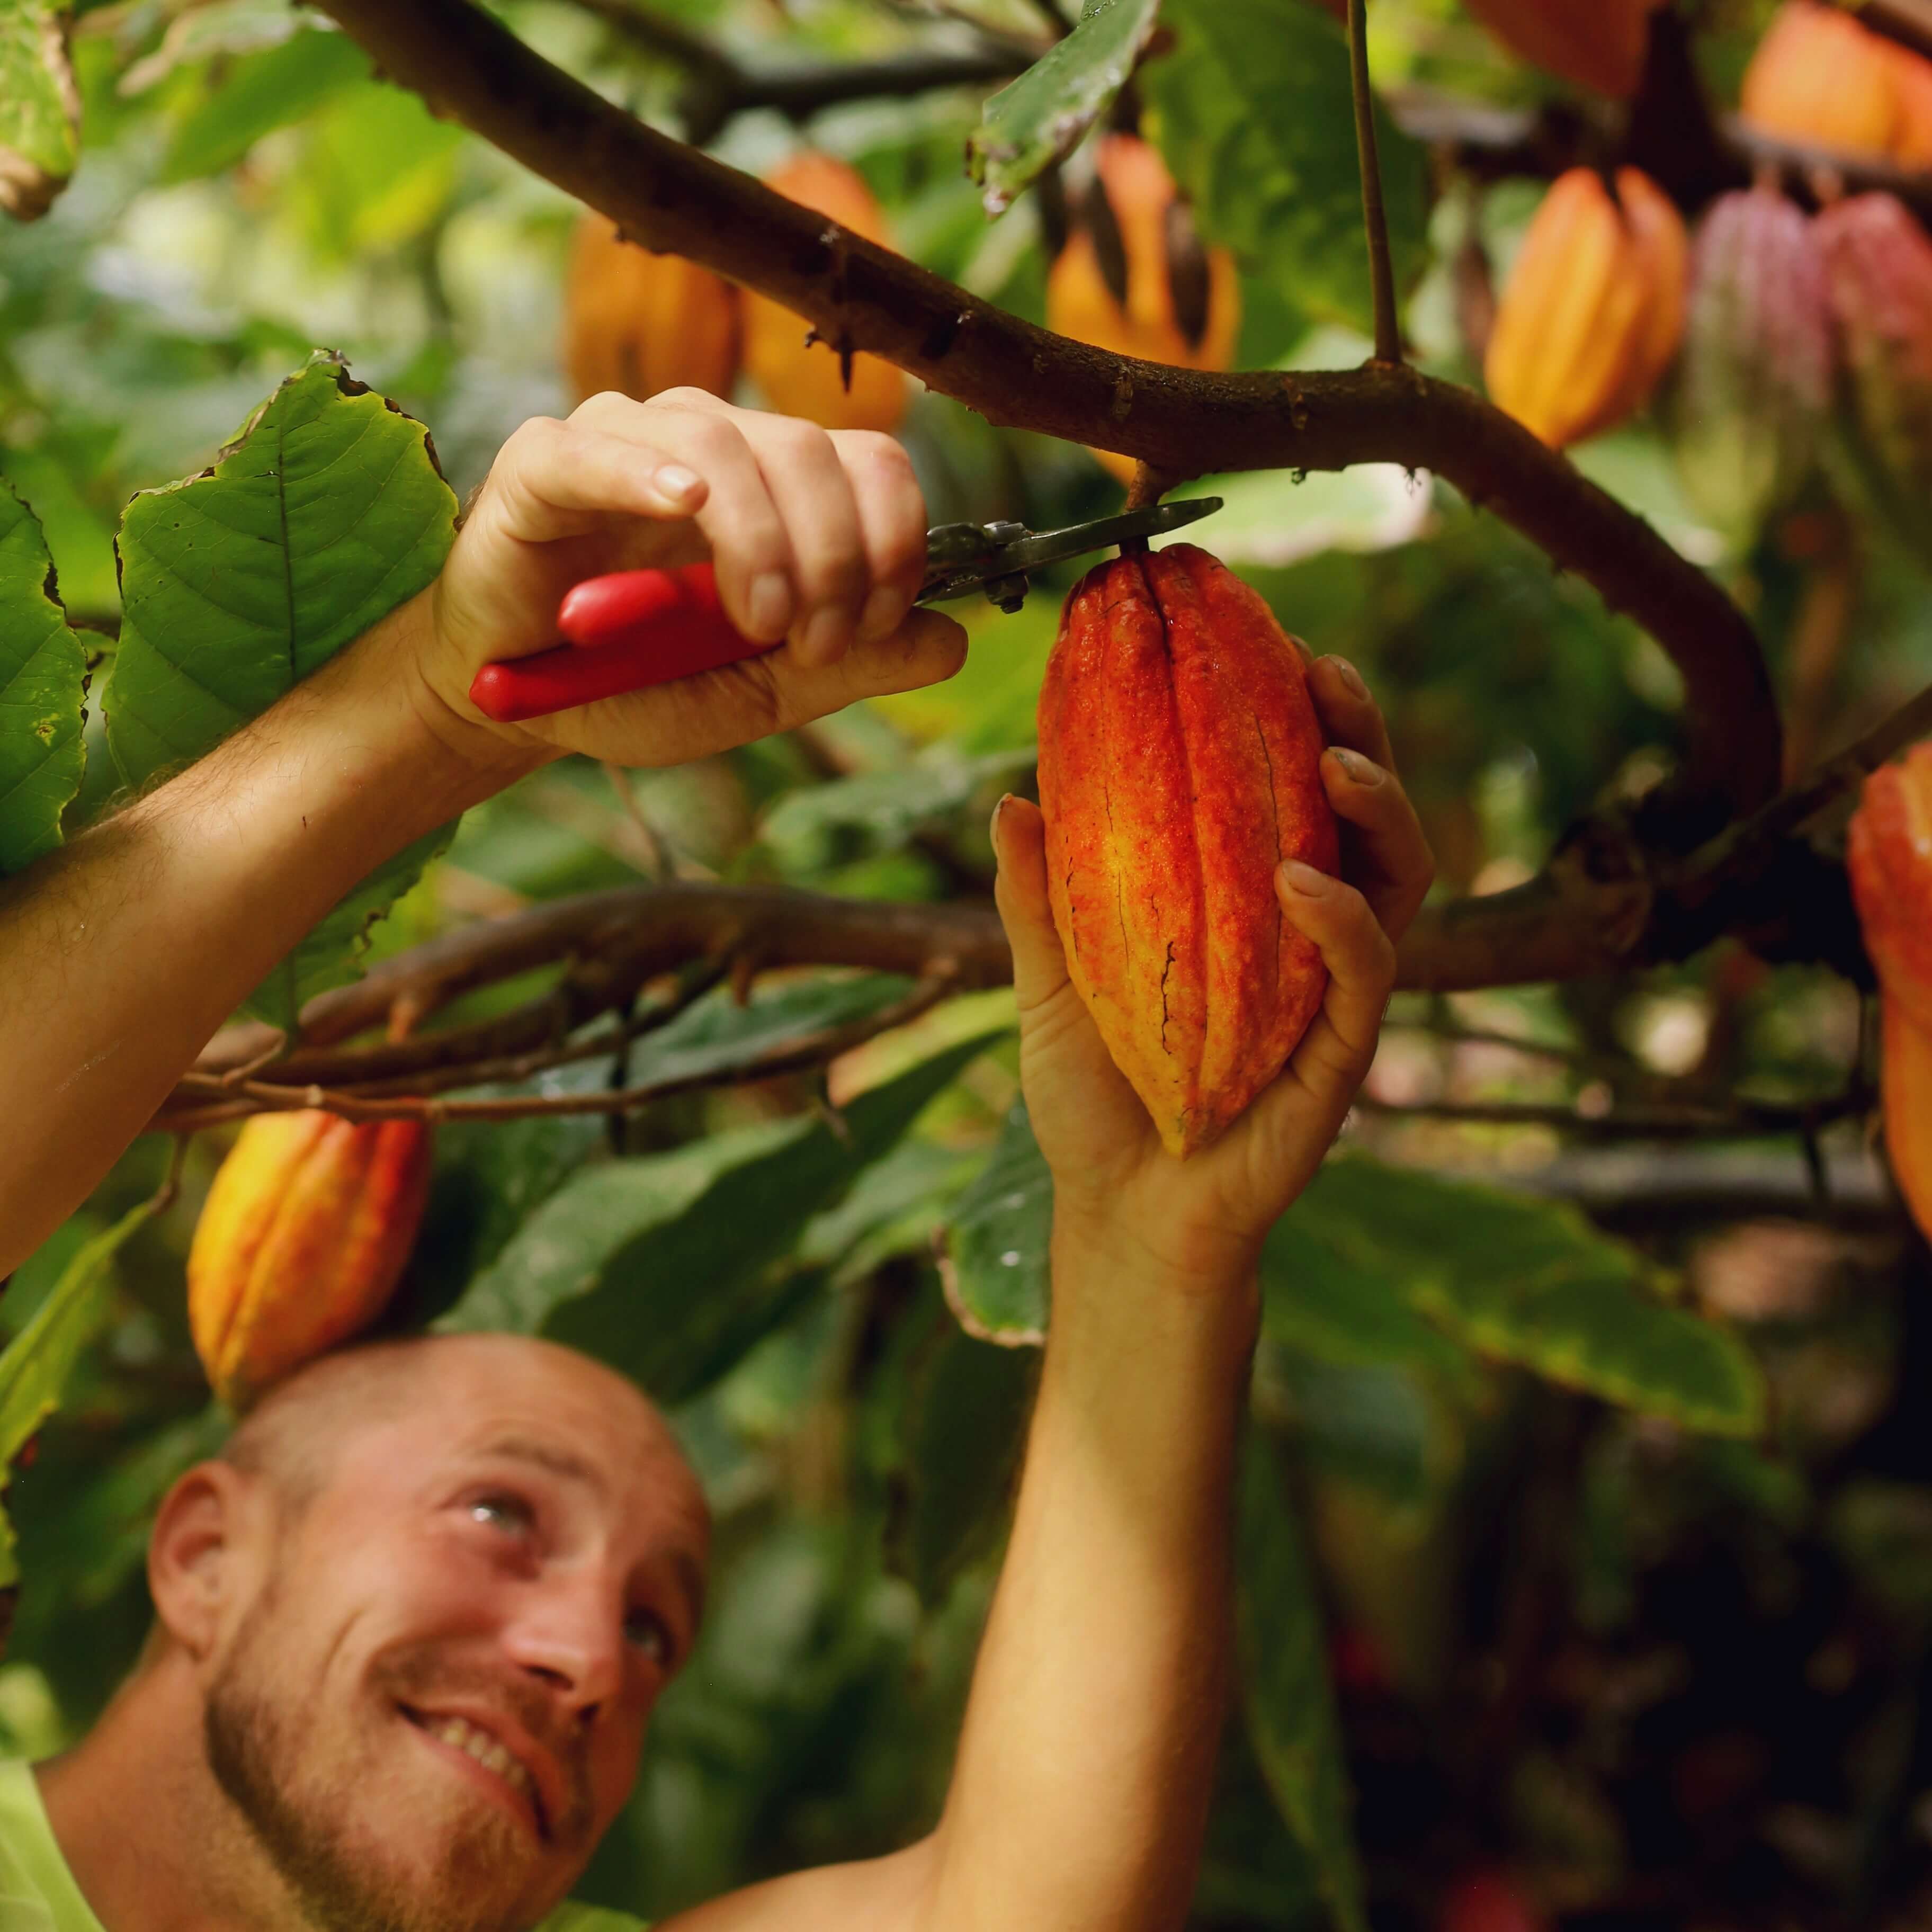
x=122, y=953
x=1081, y=1790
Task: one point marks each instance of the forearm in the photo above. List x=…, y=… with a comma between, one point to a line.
x=122, y=954
x=1081, y=1790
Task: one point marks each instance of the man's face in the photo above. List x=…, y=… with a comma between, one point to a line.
x=433, y=1709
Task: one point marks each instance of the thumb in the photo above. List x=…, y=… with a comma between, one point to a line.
x=927, y=649
x=1019, y=845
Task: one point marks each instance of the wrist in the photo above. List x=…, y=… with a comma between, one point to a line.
x=1198, y=1281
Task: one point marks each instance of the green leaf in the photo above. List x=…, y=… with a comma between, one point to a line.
x=35, y=1365
x=39, y=107
x=260, y=93
x=716, y=1034
x=996, y=1266
x=1029, y=125
x=1256, y=120
x=1532, y=1283
x=326, y=512
x=962, y=1427
x=671, y=1267
x=43, y=678
x=823, y=826
x=1321, y=1294
x=1285, y=1695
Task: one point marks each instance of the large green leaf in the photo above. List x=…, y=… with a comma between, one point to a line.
x=40, y=106
x=259, y=93
x=1529, y=1282
x=671, y=1267
x=35, y=1365
x=998, y=1267
x=1257, y=122
x=1321, y=1294
x=1285, y=1690
x=43, y=678
x=1030, y=124
x=715, y=1034
x=325, y=513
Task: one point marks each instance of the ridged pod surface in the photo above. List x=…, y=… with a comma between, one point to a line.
x=1597, y=46
x=1818, y=77
x=1594, y=308
x=1179, y=765
x=1134, y=277
x=804, y=379
x=1889, y=854
x=1878, y=263
x=300, y=1242
x=643, y=323
x=1754, y=382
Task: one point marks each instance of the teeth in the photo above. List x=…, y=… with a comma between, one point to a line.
x=484, y=1748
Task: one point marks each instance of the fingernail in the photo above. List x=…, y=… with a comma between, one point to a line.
x=1306, y=656
x=1349, y=675
x=676, y=482
x=993, y=829
x=770, y=603
x=883, y=609
x=1362, y=771
x=1303, y=879
x=827, y=636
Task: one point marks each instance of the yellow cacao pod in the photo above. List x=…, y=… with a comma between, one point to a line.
x=1818, y=76
x=801, y=377
x=1134, y=277
x=1889, y=854
x=1593, y=310
x=1179, y=765
x=1595, y=43
x=643, y=323
x=300, y=1242
x=1911, y=85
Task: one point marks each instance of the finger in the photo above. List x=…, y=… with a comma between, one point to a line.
x=552, y=479
x=1019, y=843
x=751, y=546
x=830, y=573
x=892, y=517
x=1335, y=1052
x=1349, y=715
x=1392, y=864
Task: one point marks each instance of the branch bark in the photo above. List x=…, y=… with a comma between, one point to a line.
x=671, y=198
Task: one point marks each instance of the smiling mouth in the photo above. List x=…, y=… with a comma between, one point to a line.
x=489, y=1754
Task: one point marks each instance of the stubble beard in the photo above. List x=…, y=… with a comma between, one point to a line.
x=299, y=1810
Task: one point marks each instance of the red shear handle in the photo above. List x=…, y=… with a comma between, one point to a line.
x=630, y=629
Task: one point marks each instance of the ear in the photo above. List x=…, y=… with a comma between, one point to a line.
x=202, y=1558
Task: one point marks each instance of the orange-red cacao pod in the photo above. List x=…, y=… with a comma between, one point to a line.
x=1818, y=76
x=300, y=1242
x=1179, y=765
x=642, y=323
x=1594, y=308
x=1489, y=1901
x=1134, y=277
x=1912, y=134
x=801, y=378
x=1596, y=44
x=1889, y=853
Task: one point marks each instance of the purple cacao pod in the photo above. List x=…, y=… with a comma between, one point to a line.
x=1754, y=382
x=1878, y=264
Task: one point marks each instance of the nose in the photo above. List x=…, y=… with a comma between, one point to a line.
x=568, y=1632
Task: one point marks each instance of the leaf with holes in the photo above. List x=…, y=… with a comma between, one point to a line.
x=43, y=678
x=325, y=513
x=1034, y=122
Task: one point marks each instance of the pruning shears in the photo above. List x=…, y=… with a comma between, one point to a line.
x=635, y=627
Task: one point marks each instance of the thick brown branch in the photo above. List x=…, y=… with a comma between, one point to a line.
x=672, y=198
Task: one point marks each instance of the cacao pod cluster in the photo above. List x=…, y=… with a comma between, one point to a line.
x=1134, y=277
x=302, y=1239
x=1179, y=765
x=1889, y=854
x=643, y=323
x=1818, y=77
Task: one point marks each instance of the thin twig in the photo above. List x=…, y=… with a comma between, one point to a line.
x=1381, y=275
x=1741, y=1117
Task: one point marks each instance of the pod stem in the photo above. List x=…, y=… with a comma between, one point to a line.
x=1382, y=276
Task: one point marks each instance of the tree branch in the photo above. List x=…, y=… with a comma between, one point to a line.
x=859, y=296
x=1375, y=222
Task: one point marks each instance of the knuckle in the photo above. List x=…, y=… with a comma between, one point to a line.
x=701, y=402
x=606, y=405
